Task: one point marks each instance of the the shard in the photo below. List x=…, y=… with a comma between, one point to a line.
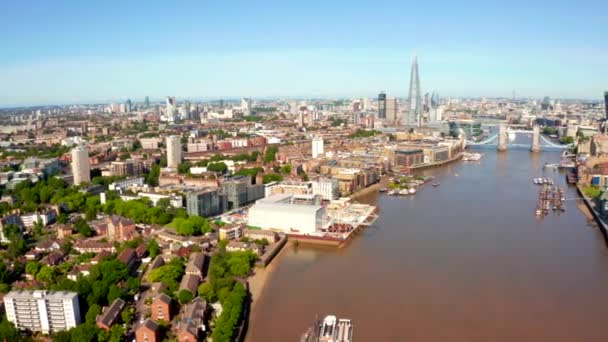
x=415, y=97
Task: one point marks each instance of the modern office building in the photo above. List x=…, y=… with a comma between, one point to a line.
x=81, y=169
x=170, y=109
x=415, y=96
x=174, y=151
x=204, y=202
x=382, y=106
x=246, y=106
x=606, y=103
x=317, y=147
x=42, y=311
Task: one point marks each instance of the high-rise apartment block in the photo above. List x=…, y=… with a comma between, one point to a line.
x=392, y=108
x=174, y=151
x=81, y=169
x=317, y=147
x=42, y=311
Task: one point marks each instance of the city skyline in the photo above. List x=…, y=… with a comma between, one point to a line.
x=255, y=50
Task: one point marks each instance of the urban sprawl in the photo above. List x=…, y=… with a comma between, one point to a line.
x=145, y=220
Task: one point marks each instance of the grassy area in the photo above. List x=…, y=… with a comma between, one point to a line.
x=592, y=191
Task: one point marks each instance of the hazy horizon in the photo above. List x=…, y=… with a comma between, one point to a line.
x=80, y=52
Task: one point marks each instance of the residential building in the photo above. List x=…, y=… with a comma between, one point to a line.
x=261, y=234
x=81, y=168
x=42, y=311
x=230, y=232
x=148, y=331
x=109, y=315
x=161, y=308
x=129, y=167
x=392, y=109
x=117, y=228
x=204, y=202
x=196, y=264
x=174, y=151
x=149, y=143
x=192, y=321
x=327, y=188
x=317, y=147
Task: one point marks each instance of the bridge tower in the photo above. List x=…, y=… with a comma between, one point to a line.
x=535, y=139
x=502, y=138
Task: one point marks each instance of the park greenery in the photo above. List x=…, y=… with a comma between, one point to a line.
x=222, y=286
x=192, y=225
x=592, y=191
x=271, y=154
x=272, y=177
x=550, y=130
x=169, y=274
x=362, y=133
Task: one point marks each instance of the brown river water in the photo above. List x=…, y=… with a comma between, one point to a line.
x=465, y=261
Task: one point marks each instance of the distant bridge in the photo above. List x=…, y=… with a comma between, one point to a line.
x=500, y=140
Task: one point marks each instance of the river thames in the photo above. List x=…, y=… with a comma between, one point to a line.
x=464, y=261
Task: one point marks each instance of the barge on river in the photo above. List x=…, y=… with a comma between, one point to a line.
x=330, y=329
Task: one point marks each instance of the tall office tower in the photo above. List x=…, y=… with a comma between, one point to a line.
x=170, y=109
x=147, y=102
x=357, y=106
x=293, y=106
x=42, y=311
x=356, y=118
x=128, y=106
x=81, y=168
x=317, y=147
x=246, y=106
x=415, y=99
x=221, y=103
x=301, y=118
x=391, y=109
x=174, y=151
x=606, y=103
x=382, y=106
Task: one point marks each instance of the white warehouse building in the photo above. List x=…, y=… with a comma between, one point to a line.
x=299, y=214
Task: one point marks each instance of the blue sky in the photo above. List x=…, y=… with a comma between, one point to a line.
x=90, y=51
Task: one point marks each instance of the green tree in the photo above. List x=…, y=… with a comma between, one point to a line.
x=46, y=274
x=206, y=291
x=3, y=273
x=272, y=177
x=83, y=228
x=8, y=332
x=127, y=315
x=185, y=296
x=32, y=268
x=220, y=167
x=152, y=177
x=286, y=169
x=92, y=313
x=153, y=248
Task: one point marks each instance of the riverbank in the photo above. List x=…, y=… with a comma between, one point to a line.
x=362, y=192
x=591, y=206
x=440, y=163
x=257, y=282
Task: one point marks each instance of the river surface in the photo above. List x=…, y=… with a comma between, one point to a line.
x=465, y=261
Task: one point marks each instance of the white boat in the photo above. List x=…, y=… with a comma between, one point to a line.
x=412, y=191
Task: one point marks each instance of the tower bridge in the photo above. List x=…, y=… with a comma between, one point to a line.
x=501, y=140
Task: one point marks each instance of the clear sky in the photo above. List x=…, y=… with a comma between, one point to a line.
x=89, y=51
